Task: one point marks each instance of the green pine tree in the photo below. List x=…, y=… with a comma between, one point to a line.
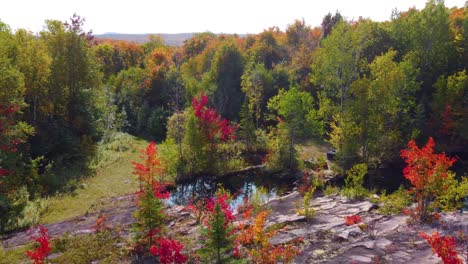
x=149, y=216
x=218, y=238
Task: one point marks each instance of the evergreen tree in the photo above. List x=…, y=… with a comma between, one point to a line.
x=219, y=238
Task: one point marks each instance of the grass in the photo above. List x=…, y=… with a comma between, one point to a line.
x=15, y=255
x=112, y=179
x=313, y=149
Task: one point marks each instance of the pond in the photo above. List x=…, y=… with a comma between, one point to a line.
x=239, y=186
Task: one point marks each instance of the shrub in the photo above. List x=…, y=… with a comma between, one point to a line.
x=40, y=253
x=279, y=157
x=331, y=190
x=109, y=149
x=395, y=202
x=454, y=194
x=308, y=210
x=427, y=171
x=253, y=242
x=352, y=219
x=443, y=246
x=168, y=251
x=259, y=200
x=354, y=182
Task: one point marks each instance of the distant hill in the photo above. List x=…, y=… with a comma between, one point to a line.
x=170, y=39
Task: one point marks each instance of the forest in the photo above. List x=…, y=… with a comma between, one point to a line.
x=375, y=95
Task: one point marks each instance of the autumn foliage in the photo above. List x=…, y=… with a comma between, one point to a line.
x=218, y=231
x=444, y=247
x=151, y=168
x=352, y=219
x=253, y=241
x=7, y=142
x=168, y=251
x=210, y=122
x=426, y=171
x=39, y=254
x=223, y=201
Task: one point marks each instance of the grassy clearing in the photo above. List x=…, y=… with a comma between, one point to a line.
x=113, y=178
x=15, y=255
x=313, y=149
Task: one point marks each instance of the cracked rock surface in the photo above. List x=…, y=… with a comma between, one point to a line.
x=327, y=239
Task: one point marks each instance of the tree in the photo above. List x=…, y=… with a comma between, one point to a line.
x=34, y=63
x=329, y=22
x=247, y=128
x=267, y=49
x=255, y=81
x=75, y=96
x=225, y=78
x=449, y=107
x=15, y=168
x=431, y=52
x=300, y=119
x=150, y=213
x=335, y=67
x=218, y=231
x=378, y=118
x=426, y=171
x=302, y=42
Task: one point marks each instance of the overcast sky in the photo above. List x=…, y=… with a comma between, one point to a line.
x=179, y=16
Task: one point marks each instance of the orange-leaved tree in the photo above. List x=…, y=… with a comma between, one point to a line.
x=426, y=171
x=151, y=171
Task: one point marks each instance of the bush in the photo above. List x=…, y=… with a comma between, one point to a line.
x=259, y=200
x=110, y=148
x=354, y=182
x=230, y=157
x=31, y=213
x=278, y=151
x=18, y=212
x=169, y=156
x=331, y=190
x=394, y=203
x=452, y=198
x=308, y=210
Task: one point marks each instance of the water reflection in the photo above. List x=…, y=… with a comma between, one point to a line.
x=239, y=185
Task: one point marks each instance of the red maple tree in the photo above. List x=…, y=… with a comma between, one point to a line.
x=426, y=171
x=210, y=122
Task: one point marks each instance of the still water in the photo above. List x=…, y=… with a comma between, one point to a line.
x=239, y=186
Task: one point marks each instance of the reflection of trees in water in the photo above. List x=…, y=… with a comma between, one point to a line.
x=238, y=185
x=186, y=192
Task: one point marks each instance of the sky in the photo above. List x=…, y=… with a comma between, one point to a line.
x=182, y=16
